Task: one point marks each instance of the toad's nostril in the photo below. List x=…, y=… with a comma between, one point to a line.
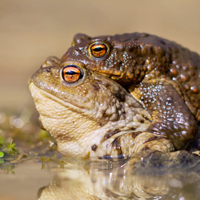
x=47, y=69
x=51, y=61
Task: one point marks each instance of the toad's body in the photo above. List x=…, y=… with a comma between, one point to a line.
x=87, y=118
x=162, y=76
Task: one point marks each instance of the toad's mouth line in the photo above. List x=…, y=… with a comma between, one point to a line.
x=47, y=95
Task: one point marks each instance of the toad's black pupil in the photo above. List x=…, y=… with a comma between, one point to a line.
x=71, y=72
x=98, y=49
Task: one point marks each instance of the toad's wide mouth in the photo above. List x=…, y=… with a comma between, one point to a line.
x=42, y=97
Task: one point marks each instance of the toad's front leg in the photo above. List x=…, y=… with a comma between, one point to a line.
x=171, y=116
x=129, y=144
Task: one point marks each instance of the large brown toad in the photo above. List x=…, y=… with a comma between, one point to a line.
x=161, y=74
x=90, y=115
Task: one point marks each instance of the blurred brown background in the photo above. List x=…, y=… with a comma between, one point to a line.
x=30, y=31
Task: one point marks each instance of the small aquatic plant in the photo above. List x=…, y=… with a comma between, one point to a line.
x=7, y=150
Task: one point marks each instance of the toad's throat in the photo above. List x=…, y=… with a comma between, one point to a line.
x=36, y=92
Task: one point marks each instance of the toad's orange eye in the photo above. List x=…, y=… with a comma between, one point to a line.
x=98, y=50
x=71, y=73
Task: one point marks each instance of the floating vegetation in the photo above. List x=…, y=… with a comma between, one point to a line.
x=8, y=153
x=8, y=150
x=21, y=138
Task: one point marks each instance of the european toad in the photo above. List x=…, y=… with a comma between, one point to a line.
x=154, y=106
x=90, y=115
x=161, y=74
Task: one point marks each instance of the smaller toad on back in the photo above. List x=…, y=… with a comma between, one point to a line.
x=161, y=74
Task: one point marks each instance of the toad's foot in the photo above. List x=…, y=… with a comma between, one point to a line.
x=127, y=145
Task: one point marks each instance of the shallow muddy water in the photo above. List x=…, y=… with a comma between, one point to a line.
x=75, y=180
x=24, y=181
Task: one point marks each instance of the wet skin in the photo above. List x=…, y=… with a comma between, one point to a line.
x=161, y=74
x=153, y=74
x=90, y=115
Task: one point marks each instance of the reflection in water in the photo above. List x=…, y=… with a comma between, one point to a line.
x=115, y=180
